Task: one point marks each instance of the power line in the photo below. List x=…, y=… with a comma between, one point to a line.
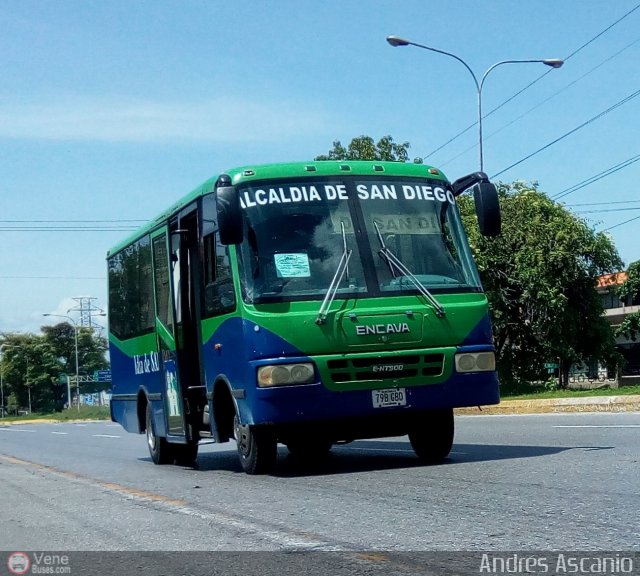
x=101, y=278
x=120, y=221
x=621, y=223
x=603, y=203
x=596, y=177
x=566, y=134
x=605, y=210
x=71, y=225
x=541, y=103
x=533, y=82
x=65, y=229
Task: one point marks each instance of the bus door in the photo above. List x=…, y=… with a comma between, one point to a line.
x=176, y=326
x=165, y=330
x=185, y=280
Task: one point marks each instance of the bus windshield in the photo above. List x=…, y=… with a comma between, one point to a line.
x=296, y=234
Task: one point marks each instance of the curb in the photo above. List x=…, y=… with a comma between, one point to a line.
x=46, y=421
x=629, y=403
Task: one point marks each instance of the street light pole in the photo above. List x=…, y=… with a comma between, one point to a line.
x=1, y=383
x=552, y=62
x=28, y=385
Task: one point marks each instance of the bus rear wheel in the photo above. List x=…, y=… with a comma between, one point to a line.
x=432, y=437
x=257, y=447
x=159, y=448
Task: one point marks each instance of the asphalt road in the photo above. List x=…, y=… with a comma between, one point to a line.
x=544, y=482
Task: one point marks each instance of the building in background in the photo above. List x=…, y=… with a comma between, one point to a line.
x=615, y=311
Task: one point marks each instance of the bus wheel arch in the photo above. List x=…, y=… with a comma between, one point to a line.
x=159, y=449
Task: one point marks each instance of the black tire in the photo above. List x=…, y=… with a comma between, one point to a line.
x=257, y=447
x=309, y=448
x=159, y=448
x=185, y=454
x=432, y=437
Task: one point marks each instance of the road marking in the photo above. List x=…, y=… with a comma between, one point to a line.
x=104, y=436
x=16, y=430
x=61, y=433
x=599, y=426
x=282, y=537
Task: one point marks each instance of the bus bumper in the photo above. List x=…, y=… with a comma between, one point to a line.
x=314, y=402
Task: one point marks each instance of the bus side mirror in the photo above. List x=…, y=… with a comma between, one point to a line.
x=485, y=196
x=229, y=215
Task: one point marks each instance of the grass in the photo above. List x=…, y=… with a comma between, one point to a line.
x=541, y=393
x=84, y=413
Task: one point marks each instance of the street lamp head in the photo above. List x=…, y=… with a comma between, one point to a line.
x=395, y=41
x=553, y=62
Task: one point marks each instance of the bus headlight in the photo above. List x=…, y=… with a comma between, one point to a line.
x=476, y=362
x=285, y=374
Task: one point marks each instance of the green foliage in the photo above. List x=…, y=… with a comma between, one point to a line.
x=67, y=415
x=364, y=148
x=630, y=291
x=540, y=277
x=31, y=364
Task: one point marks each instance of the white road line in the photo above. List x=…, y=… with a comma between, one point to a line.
x=104, y=436
x=60, y=433
x=599, y=426
x=16, y=430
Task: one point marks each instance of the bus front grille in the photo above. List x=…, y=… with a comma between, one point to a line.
x=385, y=368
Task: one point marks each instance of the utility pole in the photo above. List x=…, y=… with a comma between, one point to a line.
x=86, y=308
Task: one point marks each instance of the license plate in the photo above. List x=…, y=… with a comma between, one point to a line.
x=389, y=397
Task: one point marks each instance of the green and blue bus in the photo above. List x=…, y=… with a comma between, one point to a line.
x=306, y=304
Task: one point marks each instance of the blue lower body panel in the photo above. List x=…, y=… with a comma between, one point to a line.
x=300, y=404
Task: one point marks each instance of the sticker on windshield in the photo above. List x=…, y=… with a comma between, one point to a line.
x=292, y=265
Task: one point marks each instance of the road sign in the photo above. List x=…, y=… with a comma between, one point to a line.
x=102, y=375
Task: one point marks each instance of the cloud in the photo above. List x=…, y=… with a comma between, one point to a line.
x=222, y=119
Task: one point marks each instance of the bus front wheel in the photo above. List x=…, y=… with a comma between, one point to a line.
x=159, y=448
x=431, y=437
x=257, y=447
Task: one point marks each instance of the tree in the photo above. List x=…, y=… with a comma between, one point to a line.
x=27, y=367
x=364, y=148
x=540, y=278
x=629, y=292
x=91, y=352
x=32, y=364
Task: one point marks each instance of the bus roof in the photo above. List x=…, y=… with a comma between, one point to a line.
x=288, y=170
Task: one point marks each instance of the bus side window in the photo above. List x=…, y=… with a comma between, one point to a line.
x=219, y=296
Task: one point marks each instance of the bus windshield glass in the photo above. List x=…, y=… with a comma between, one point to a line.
x=296, y=234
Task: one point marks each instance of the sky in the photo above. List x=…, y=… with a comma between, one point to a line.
x=112, y=110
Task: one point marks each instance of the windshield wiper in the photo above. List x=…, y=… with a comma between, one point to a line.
x=343, y=266
x=395, y=263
